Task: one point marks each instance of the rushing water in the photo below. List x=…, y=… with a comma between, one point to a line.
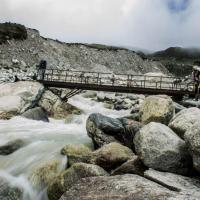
x=44, y=142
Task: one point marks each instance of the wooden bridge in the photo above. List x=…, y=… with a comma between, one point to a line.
x=123, y=83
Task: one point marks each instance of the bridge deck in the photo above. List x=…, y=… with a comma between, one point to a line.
x=140, y=84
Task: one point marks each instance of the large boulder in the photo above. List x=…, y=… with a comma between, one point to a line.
x=16, y=98
x=55, y=107
x=132, y=166
x=102, y=129
x=131, y=127
x=160, y=148
x=77, y=153
x=89, y=94
x=112, y=155
x=189, y=188
x=11, y=147
x=192, y=138
x=36, y=114
x=127, y=187
x=157, y=109
x=69, y=177
x=182, y=121
x=8, y=192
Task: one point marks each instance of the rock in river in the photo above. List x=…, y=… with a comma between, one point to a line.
x=77, y=153
x=127, y=187
x=157, y=109
x=36, y=114
x=16, y=98
x=160, y=148
x=11, y=147
x=182, y=121
x=69, y=177
x=112, y=155
x=192, y=138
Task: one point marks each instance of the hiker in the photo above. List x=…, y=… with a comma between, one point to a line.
x=16, y=79
x=41, y=69
x=113, y=79
x=196, y=77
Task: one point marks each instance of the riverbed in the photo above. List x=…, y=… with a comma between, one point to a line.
x=44, y=142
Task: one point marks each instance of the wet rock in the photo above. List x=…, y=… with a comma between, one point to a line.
x=131, y=127
x=8, y=192
x=77, y=153
x=43, y=174
x=69, y=177
x=55, y=107
x=36, y=114
x=182, y=121
x=16, y=98
x=89, y=94
x=191, y=103
x=157, y=109
x=160, y=148
x=178, y=107
x=112, y=155
x=11, y=147
x=189, y=188
x=102, y=129
x=192, y=138
x=132, y=166
x=119, y=187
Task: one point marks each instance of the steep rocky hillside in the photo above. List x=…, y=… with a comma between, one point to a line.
x=21, y=56
x=177, y=60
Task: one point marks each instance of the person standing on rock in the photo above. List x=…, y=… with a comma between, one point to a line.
x=196, y=76
x=113, y=79
x=41, y=69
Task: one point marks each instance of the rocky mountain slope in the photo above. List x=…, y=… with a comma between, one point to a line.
x=177, y=60
x=21, y=56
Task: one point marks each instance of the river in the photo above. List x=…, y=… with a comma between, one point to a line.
x=44, y=142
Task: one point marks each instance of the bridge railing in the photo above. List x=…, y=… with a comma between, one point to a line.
x=123, y=80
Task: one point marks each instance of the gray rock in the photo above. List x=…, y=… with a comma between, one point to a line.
x=127, y=187
x=77, y=153
x=192, y=138
x=132, y=166
x=7, y=192
x=102, y=129
x=89, y=94
x=11, y=147
x=69, y=177
x=16, y=98
x=191, y=103
x=55, y=107
x=157, y=109
x=36, y=114
x=182, y=121
x=160, y=148
x=178, y=107
x=112, y=155
x=188, y=188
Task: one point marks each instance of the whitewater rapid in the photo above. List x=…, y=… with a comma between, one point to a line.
x=44, y=142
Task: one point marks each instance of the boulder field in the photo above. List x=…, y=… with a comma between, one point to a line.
x=153, y=153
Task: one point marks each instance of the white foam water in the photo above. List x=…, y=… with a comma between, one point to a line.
x=44, y=142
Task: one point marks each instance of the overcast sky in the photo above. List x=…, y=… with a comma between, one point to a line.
x=147, y=24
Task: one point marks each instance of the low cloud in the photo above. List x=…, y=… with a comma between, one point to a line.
x=148, y=24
